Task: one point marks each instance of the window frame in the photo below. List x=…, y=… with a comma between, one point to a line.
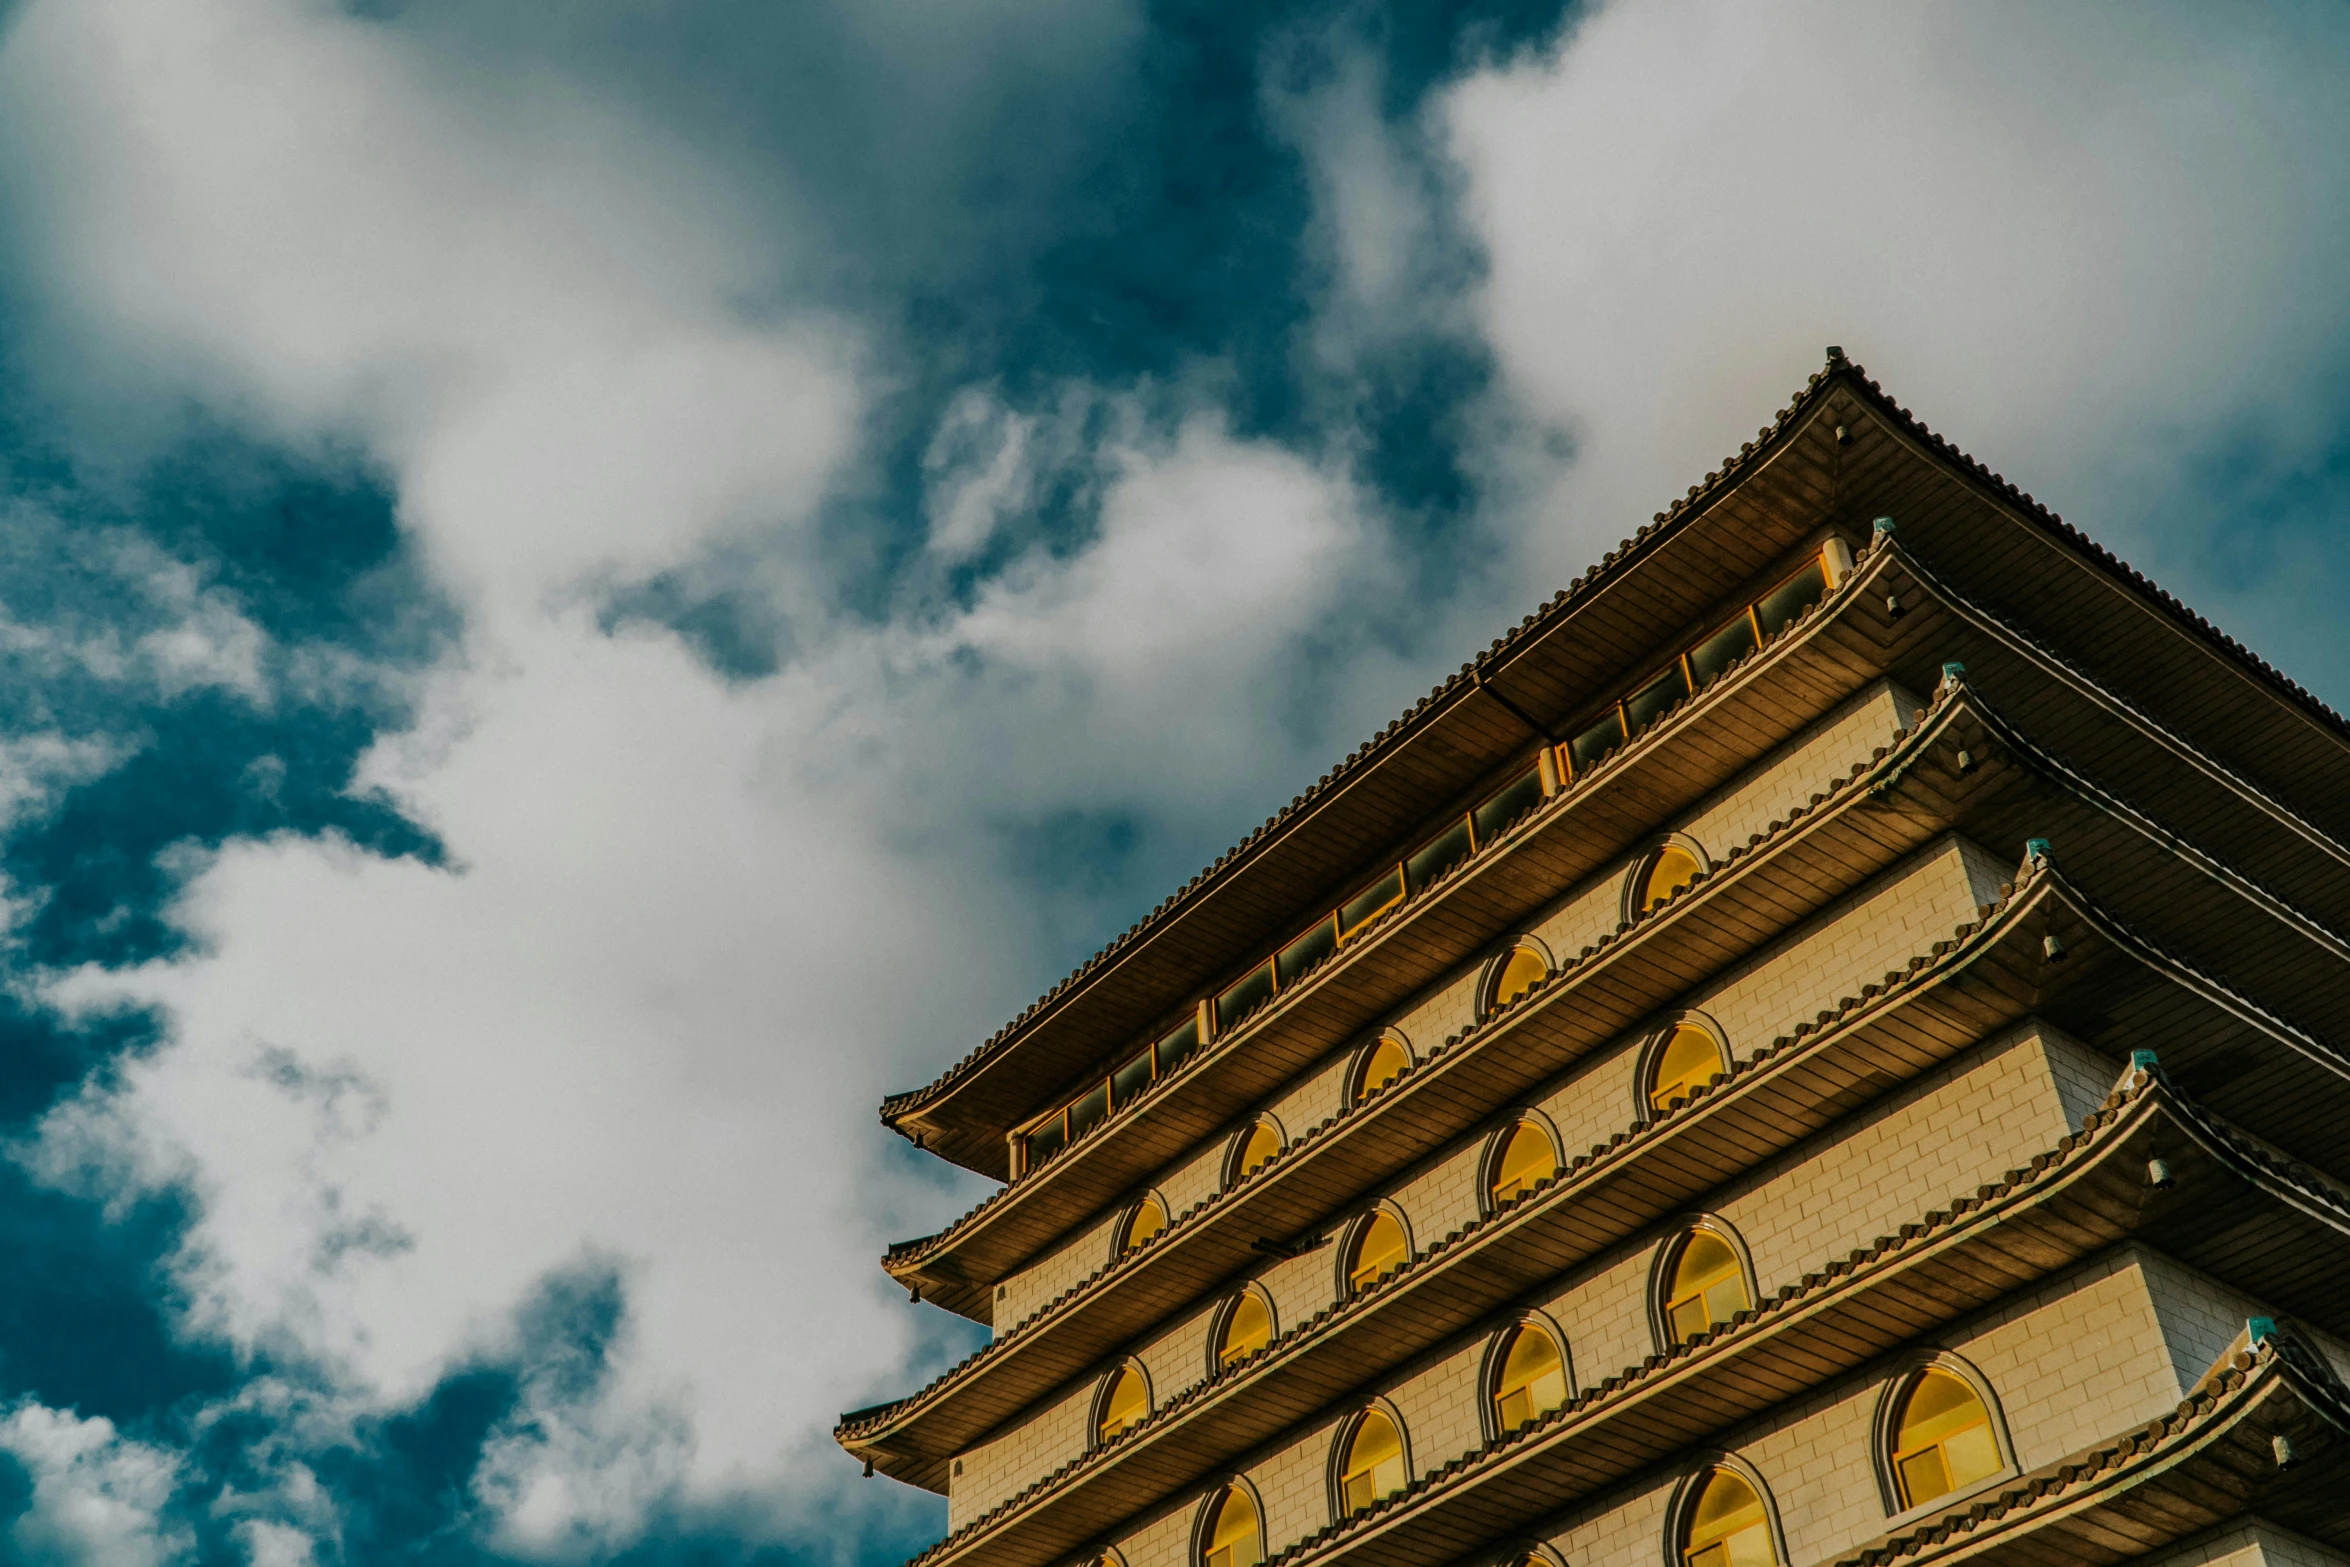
x=1351, y=1238
x=1132, y=1211
x=1496, y=1361
x=1099, y=1409
x=1652, y=1052
x=1221, y=1322
x=1489, y=982
x=1701, y=1468
x=1883, y=1428
x=1636, y=881
x=1237, y=1150
x=1360, y=1067
x=1667, y=1258
x=1204, y=1521
x=1497, y=1144
x=1348, y=1430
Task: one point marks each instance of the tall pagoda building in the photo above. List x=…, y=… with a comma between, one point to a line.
x=1828, y=1043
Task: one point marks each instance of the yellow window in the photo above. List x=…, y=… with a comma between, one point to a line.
x=1248, y=1329
x=1689, y=1059
x=1128, y=1401
x=1942, y=1442
x=1672, y=869
x=1379, y=1249
x=1708, y=1286
x=1234, y=1538
x=1726, y=1527
x=1527, y=1160
x=1374, y=1463
x=1263, y=1143
x=1533, y=1379
x=1148, y=1220
x=1524, y=970
x=1386, y=1063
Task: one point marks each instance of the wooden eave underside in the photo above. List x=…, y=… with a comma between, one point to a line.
x=2111, y=988
x=2076, y=1200
x=1993, y=545
x=2203, y=826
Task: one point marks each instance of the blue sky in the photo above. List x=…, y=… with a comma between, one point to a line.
x=588, y=589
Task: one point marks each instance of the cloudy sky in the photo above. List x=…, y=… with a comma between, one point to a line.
x=585, y=589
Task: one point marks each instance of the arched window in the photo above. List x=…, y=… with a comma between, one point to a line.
x=1258, y=1148
x=1247, y=1329
x=1373, y=1467
x=1380, y=1247
x=1385, y=1062
x=1706, y=1286
x=1726, y=1526
x=1666, y=872
x=1687, y=1060
x=1533, y=1379
x=1520, y=972
x=1147, y=1220
x=1233, y=1537
x=1942, y=1439
x=1527, y=1159
x=1125, y=1402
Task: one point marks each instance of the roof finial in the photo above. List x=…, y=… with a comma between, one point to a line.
x=1835, y=355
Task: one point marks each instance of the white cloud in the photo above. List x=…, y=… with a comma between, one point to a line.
x=98, y=1497
x=2068, y=239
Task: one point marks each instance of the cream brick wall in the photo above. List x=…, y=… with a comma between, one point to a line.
x=2081, y=1358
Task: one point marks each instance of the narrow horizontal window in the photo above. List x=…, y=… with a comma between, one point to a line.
x=1048, y=1140
x=1308, y=950
x=1089, y=1111
x=1440, y=854
x=1652, y=701
x=1710, y=659
x=1513, y=800
x=1588, y=749
x=1131, y=1078
x=1176, y=1047
x=1370, y=903
x=1778, y=608
x=1244, y=997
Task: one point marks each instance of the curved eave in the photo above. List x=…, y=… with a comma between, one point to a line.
x=2068, y=1203
x=2030, y=566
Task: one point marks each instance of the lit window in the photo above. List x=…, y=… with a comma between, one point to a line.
x=1248, y=1328
x=1687, y=1062
x=1708, y=1287
x=1533, y=1379
x=1147, y=1221
x=1262, y=1145
x=1374, y=1464
x=1128, y=1401
x=1382, y=1066
x=1522, y=972
x=1673, y=868
x=1234, y=1538
x=1726, y=1526
x=1943, y=1441
x=1379, y=1249
x=1527, y=1160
